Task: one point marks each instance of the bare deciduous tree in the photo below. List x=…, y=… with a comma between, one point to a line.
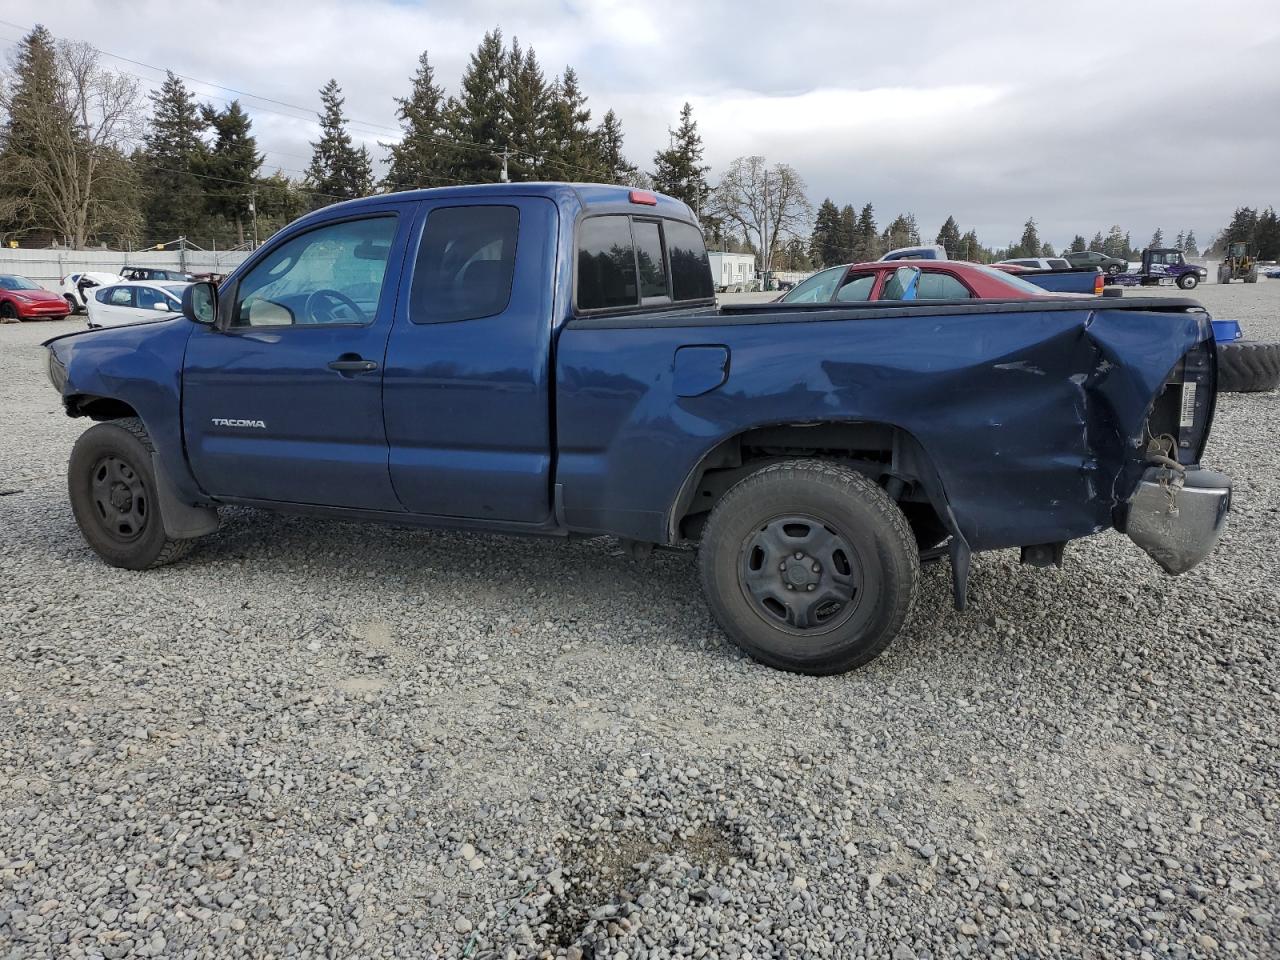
x=769, y=203
x=73, y=167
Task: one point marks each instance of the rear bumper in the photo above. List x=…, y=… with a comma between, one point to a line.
x=1177, y=519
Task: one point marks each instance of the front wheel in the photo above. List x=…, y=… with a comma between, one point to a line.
x=1188, y=281
x=113, y=496
x=1114, y=269
x=809, y=566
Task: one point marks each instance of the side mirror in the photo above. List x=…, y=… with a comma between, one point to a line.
x=200, y=303
x=162, y=306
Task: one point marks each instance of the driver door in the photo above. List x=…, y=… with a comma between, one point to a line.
x=282, y=401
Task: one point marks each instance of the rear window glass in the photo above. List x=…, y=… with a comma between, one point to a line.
x=606, y=264
x=941, y=286
x=465, y=264
x=649, y=259
x=690, y=266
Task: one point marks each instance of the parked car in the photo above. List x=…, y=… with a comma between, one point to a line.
x=549, y=359
x=134, y=302
x=1162, y=266
x=937, y=280
x=76, y=287
x=1271, y=273
x=1092, y=258
x=155, y=273
x=23, y=299
x=1037, y=263
x=1088, y=280
x=933, y=251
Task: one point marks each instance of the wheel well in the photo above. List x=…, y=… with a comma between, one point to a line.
x=98, y=408
x=886, y=454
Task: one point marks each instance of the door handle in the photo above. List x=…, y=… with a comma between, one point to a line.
x=347, y=364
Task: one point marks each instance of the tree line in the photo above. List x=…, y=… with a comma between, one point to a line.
x=86, y=157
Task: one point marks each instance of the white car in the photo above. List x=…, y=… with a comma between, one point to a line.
x=136, y=301
x=76, y=286
x=1039, y=263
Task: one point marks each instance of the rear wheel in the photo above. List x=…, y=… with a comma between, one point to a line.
x=809, y=566
x=1114, y=269
x=71, y=302
x=113, y=496
x=1245, y=366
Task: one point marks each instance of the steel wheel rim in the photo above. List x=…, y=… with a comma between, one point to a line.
x=120, y=501
x=801, y=575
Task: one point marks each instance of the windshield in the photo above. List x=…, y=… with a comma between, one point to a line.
x=817, y=289
x=1009, y=280
x=17, y=283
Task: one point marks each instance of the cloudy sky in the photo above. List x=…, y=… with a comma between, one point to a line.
x=1147, y=114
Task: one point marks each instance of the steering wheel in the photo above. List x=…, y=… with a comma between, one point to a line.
x=316, y=311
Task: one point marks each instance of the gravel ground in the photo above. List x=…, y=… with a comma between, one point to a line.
x=315, y=739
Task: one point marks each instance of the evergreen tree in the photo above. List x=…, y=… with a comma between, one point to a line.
x=901, y=232
x=1116, y=244
x=1078, y=245
x=679, y=171
x=1243, y=226
x=1157, y=239
x=824, y=242
x=174, y=156
x=1097, y=243
x=573, y=154
x=1180, y=241
x=949, y=236
x=528, y=116
x=338, y=170
x=229, y=166
x=847, y=235
x=1029, y=245
x=614, y=167
x=1266, y=239
x=34, y=97
x=422, y=157
x=868, y=241
x=478, y=119
x=1046, y=250
x=1189, y=247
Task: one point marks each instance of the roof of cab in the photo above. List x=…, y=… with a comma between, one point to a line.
x=585, y=194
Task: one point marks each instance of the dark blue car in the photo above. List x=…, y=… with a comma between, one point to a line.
x=549, y=359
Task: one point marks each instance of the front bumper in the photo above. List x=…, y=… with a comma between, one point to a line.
x=43, y=310
x=1177, y=518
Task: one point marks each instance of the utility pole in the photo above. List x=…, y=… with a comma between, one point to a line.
x=253, y=209
x=503, y=177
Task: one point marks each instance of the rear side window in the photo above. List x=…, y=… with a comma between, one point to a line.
x=690, y=266
x=857, y=288
x=941, y=286
x=606, y=264
x=465, y=264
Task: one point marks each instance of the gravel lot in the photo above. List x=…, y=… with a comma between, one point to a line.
x=314, y=739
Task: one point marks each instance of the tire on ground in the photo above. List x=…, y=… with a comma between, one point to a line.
x=858, y=514
x=1247, y=366
x=124, y=442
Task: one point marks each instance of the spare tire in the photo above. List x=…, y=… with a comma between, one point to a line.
x=1247, y=366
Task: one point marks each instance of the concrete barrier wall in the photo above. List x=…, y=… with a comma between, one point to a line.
x=47, y=266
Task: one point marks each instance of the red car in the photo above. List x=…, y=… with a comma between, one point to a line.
x=937, y=280
x=23, y=299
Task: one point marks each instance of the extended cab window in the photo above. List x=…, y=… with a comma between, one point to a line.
x=625, y=262
x=690, y=265
x=606, y=264
x=465, y=264
x=329, y=275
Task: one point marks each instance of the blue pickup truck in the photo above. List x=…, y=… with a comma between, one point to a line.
x=549, y=359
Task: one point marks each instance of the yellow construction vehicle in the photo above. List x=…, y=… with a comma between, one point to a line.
x=1239, y=264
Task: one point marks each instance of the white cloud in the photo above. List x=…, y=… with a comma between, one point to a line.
x=1143, y=114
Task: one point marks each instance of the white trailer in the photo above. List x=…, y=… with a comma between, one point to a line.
x=730, y=271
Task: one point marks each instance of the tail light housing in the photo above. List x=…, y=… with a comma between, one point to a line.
x=1098, y=284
